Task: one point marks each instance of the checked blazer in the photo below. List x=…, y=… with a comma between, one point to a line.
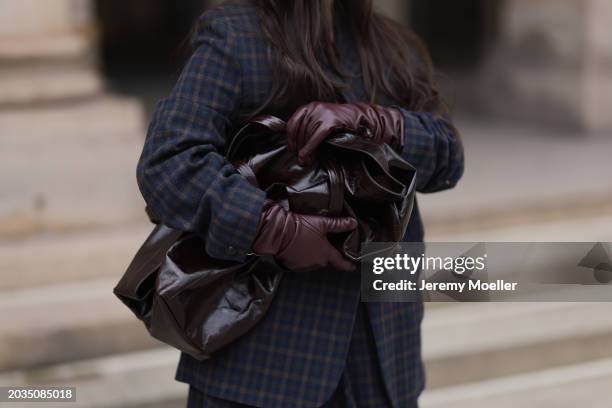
x=295, y=356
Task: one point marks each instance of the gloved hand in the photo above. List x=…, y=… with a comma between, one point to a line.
x=314, y=122
x=299, y=242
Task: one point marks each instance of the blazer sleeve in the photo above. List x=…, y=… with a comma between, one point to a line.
x=185, y=180
x=433, y=145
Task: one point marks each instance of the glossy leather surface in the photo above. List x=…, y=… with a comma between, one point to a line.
x=350, y=176
x=199, y=304
x=301, y=242
x=314, y=122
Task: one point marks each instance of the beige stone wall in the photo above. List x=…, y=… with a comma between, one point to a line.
x=68, y=150
x=35, y=17
x=553, y=63
x=46, y=51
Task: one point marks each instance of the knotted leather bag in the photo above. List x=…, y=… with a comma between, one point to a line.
x=199, y=304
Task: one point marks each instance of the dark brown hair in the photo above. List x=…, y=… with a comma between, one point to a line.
x=394, y=61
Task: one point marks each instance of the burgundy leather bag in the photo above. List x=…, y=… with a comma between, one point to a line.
x=199, y=304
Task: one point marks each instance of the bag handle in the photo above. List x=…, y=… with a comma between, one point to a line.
x=267, y=122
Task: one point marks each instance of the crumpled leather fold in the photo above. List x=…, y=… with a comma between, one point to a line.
x=199, y=304
x=350, y=176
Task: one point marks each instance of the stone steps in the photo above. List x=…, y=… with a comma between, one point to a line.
x=52, y=324
x=142, y=379
x=75, y=164
x=461, y=342
x=477, y=341
x=593, y=228
x=59, y=319
x=54, y=259
x=146, y=378
x=536, y=177
x=579, y=385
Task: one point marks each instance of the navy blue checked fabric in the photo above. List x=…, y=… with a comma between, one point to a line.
x=296, y=356
x=182, y=173
x=361, y=384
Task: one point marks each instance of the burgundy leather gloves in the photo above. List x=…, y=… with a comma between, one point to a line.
x=299, y=242
x=314, y=122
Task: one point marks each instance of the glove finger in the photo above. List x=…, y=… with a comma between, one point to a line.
x=305, y=131
x=339, y=224
x=310, y=142
x=293, y=128
x=337, y=261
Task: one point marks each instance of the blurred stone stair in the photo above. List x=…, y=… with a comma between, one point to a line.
x=61, y=324
x=56, y=337
x=57, y=258
x=128, y=380
x=75, y=332
x=56, y=301
x=478, y=341
x=579, y=385
x=53, y=324
x=143, y=379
